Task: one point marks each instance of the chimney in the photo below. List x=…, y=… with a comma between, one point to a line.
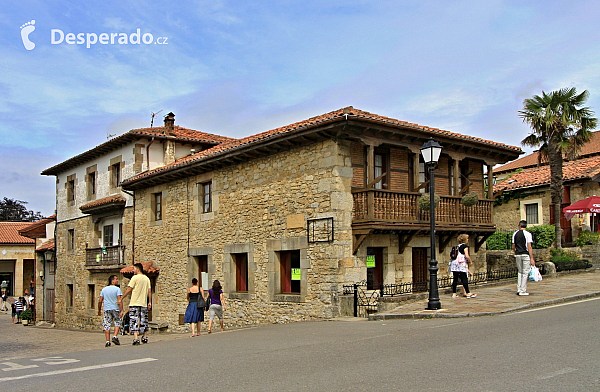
x=169, y=123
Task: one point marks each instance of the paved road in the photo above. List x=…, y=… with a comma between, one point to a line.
x=550, y=349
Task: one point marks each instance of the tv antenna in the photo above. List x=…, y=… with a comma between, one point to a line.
x=152, y=121
x=110, y=136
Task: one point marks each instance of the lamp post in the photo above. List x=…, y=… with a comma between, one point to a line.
x=431, y=153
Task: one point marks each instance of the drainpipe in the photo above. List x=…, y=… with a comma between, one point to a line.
x=132, y=227
x=148, y=153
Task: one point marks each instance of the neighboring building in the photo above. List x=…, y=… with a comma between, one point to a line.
x=94, y=216
x=286, y=217
x=17, y=258
x=42, y=232
x=524, y=191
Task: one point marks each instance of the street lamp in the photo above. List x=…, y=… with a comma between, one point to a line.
x=431, y=153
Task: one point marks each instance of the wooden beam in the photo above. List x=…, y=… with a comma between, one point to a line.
x=375, y=181
x=403, y=241
x=444, y=242
x=424, y=185
x=479, y=242
x=358, y=240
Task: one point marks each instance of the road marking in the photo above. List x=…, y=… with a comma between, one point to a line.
x=55, y=360
x=557, y=373
x=81, y=369
x=555, y=306
x=16, y=366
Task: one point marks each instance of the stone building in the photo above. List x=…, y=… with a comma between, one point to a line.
x=94, y=216
x=286, y=217
x=17, y=258
x=522, y=191
x=42, y=232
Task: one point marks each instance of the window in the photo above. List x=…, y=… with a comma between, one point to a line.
x=241, y=272
x=71, y=190
x=463, y=167
x=206, y=197
x=91, y=296
x=115, y=175
x=380, y=165
x=71, y=239
x=91, y=184
x=531, y=213
x=423, y=175
x=157, y=206
x=69, y=299
x=290, y=271
x=107, y=237
x=120, y=233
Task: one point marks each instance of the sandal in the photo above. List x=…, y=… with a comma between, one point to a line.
x=209, y=331
x=454, y=295
x=471, y=295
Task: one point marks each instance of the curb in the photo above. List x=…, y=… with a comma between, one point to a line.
x=392, y=316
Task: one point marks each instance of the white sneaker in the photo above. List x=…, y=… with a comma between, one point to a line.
x=523, y=293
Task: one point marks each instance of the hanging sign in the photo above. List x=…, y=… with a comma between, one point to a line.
x=296, y=274
x=371, y=261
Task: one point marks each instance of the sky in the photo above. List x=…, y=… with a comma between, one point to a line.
x=237, y=68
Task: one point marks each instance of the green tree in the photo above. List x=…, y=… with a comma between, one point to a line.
x=560, y=126
x=15, y=211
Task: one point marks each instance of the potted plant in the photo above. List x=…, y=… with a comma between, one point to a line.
x=26, y=316
x=424, y=201
x=470, y=199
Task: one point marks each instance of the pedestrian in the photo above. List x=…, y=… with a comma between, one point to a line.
x=4, y=301
x=13, y=308
x=193, y=315
x=141, y=302
x=521, y=245
x=217, y=305
x=19, y=308
x=460, y=267
x=112, y=298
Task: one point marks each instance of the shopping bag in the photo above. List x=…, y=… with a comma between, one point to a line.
x=534, y=274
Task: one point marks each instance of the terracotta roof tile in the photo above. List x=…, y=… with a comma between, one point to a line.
x=106, y=200
x=580, y=169
x=48, y=245
x=336, y=114
x=590, y=148
x=35, y=228
x=149, y=269
x=9, y=233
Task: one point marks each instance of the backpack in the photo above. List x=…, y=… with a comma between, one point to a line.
x=454, y=252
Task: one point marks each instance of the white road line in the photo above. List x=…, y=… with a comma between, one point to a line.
x=557, y=373
x=555, y=306
x=80, y=369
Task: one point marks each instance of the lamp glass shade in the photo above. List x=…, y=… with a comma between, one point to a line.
x=431, y=151
x=48, y=255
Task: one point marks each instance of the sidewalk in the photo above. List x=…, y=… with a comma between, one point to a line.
x=502, y=299
x=18, y=341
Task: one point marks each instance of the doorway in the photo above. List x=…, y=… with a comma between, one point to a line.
x=419, y=269
x=374, y=268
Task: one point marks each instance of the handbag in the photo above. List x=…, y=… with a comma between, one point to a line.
x=201, y=304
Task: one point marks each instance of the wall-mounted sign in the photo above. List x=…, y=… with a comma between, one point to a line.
x=371, y=261
x=296, y=274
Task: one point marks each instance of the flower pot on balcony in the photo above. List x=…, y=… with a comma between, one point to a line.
x=424, y=203
x=470, y=199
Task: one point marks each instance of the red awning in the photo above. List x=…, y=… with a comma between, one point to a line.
x=149, y=270
x=591, y=204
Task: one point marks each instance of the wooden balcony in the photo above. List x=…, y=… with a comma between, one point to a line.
x=377, y=208
x=105, y=258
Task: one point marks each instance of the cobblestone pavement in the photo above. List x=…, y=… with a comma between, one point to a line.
x=497, y=299
x=18, y=341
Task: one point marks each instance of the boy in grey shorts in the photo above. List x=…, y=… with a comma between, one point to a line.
x=112, y=297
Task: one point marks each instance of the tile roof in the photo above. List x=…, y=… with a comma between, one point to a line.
x=590, y=148
x=179, y=134
x=104, y=201
x=340, y=114
x=580, y=169
x=37, y=229
x=9, y=233
x=149, y=269
x=48, y=245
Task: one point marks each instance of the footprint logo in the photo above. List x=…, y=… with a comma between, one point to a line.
x=27, y=29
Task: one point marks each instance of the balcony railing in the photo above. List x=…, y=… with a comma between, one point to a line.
x=105, y=257
x=402, y=207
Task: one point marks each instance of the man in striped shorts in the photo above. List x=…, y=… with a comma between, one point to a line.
x=112, y=297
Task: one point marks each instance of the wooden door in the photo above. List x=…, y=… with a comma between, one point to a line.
x=419, y=269
x=374, y=268
x=49, y=305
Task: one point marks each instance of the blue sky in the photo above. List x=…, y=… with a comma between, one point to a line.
x=237, y=68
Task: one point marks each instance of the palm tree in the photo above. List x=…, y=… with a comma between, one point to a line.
x=560, y=126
